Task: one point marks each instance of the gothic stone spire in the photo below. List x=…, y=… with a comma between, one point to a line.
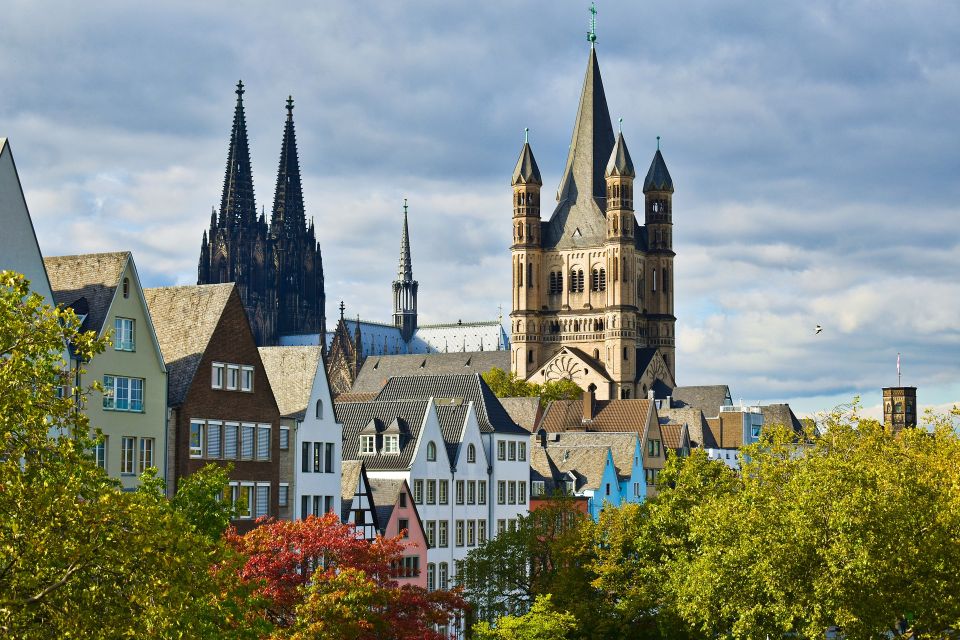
x=405, y=287
x=288, y=210
x=237, y=205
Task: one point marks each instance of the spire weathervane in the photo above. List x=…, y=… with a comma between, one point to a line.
x=526, y=135
x=592, y=34
x=658, y=143
x=290, y=105
x=404, y=207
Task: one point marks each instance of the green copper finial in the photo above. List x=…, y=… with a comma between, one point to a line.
x=592, y=34
x=620, y=124
x=658, y=143
x=526, y=135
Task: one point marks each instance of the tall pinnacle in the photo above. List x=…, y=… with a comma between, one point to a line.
x=237, y=205
x=405, y=268
x=288, y=210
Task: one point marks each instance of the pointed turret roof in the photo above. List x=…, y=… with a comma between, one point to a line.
x=658, y=178
x=288, y=210
x=526, y=171
x=405, y=268
x=581, y=197
x=237, y=204
x=620, y=163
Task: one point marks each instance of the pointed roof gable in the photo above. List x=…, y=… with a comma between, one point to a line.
x=582, y=192
x=291, y=371
x=526, y=171
x=288, y=209
x=237, y=205
x=658, y=178
x=356, y=416
x=185, y=319
x=93, y=277
x=620, y=163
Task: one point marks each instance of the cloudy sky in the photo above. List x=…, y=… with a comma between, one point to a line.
x=814, y=146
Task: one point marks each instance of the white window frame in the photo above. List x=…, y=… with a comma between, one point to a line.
x=284, y=438
x=246, y=378
x=521, y=492
x=391, y=443
x=197, y=451
x=501, y=450
x=128, y=455
x=539, y=487
x=248, y=488
x=146, y=448
x=235, y=428
x=443, y=492
x=368, y=445
x=100, y=452
x=232, y=382
x=443, y=534
x=481, y=531
x=522, y=452
x=471, y=454
x=121, y=340
x=217, y=375
x=418, y=491
x=111, y=398
x=512, y=448
x=481, y=492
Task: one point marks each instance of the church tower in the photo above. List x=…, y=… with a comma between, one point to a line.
x=527, y=259
x=659, y=294
x=405, y=287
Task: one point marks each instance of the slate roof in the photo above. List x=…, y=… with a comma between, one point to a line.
x=707, y=398
x=781, y=414
x=291, y=371
x=620, y=163
x=526, y=171
x=356, y=415
x=92, y=278
x=621, y=415
x=491, y=415
x=377, y=370
x=185, y=319
x=385, y=494
x=658, y=178
x=622, y=446
x=700, y=434
x=524, y=411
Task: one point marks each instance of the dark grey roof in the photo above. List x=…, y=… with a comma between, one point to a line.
x=465, y=387
x=658, y=178
x=357, y=415
x=578, y=220
x=708, y=398
x=376, y=370
x=620, y=163
x=781, y=414
x=526, y=171
x=524, y=411
x=385, y=493
x=87, y=283
x=700, y=434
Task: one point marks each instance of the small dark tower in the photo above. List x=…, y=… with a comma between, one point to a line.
x=659, y=295
x=405, y=287
x=899, y=408
x=527, y=254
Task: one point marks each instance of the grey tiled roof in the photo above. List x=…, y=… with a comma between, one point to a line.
x=94, y=277
x=356, y=415
x=524, y=411
x=526, y=171
x=349, y=477
x=620, y=163
x=185, y=319
x=291, y=371
x=385, y=493
x=377, y=370
x=469, y=388
x=658, y=178
x=707, y=398
x=782, y=414
x=700, y=433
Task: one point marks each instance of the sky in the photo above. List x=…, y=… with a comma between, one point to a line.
x=814, y=148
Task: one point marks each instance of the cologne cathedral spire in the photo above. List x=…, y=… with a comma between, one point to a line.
x=405, y=287
x=288, y=215
x=237, y=204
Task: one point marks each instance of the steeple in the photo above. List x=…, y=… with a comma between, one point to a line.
x=405, y=287
x=405, y=268
x=658, y=178
x=526, y=171
x=288, y=210
x=620, y=163
x=237, y=205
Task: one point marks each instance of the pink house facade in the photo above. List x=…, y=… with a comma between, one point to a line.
x=396, y=513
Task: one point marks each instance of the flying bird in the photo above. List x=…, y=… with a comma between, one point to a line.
x=819, y=329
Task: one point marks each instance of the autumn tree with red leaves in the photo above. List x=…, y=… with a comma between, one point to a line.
x=320, y=579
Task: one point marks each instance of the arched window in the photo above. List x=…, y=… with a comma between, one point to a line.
x=319, y=409
x=654, y=281
x=471, y=453
x=595, y=280
x=126, y=287
x=431, y=451
x=596, y=354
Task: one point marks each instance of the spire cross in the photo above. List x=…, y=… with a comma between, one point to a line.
x=658, y=143
x=404, y=206
x=290, y=105
x=592, y=34
x=239, y=91
x=342, y=307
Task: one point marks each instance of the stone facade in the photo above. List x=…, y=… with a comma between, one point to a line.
x=899, y=407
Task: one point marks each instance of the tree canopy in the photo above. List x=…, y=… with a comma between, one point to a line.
x=506, y=384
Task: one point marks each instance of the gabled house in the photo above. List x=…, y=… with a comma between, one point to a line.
x=676, y=437
x=221, y=406
x=310, y=436
x=19, y=249
x=397, y=515
x=356, y=500
x=131, y=412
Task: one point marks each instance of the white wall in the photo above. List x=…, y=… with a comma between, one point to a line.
x=323, y=430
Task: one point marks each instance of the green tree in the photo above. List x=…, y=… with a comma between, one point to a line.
x=506, y=384
x=198, y=499
x=542, y=622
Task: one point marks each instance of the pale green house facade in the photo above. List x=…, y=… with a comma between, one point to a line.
x=131, y=411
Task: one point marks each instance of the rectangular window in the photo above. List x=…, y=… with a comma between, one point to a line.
x=304, y=507
x=411, y=566
x=328, y=457
x=472, y=492
x=283, y=495
x=512, y=492
x=471, y=533
x=233, y=375
x=327, y=504
x=431, y=492
x=100, y=453
x=231, y=436
x=442, y=490
x=418, y=491
x=651, y=476
x=481, y=492
x=318, y=457
x=403, y=500
x=213, y=439
x=501, y=450
x=263, y=442
x=442, y=574
x=431, y=576
x=537, y=488
x=391, y=443
x=123, y=334
x=522, y=452
x=442, y=540
x=501, y=492
x=127, y=451
x=513, y=451
x=122, y=394
x=512, y=524
x=196, y=439
x=305, y=457
x=247, y=432
x=317, y=505
x=481, y=531
x=367, y=445
x=246, y=378
x=431, y=532
x=460, y=533
x=521, y=492
x=501, y=526
x=146, y=453
x=216, y=375
x=653, y=448
x=263, y=500
x=404, y=526
x=284, y=438
x=460, y=491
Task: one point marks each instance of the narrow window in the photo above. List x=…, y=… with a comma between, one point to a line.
x=126, y=287
x=471, y=453
x=319, y=409
x=431, y=451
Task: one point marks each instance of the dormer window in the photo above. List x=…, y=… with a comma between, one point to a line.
x=368, y=445
x=391, y=443
x=431, y=451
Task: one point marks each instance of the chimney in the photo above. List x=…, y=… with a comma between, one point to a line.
x=587, y=406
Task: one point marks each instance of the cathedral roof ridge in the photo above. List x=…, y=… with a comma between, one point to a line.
x=445, y=325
